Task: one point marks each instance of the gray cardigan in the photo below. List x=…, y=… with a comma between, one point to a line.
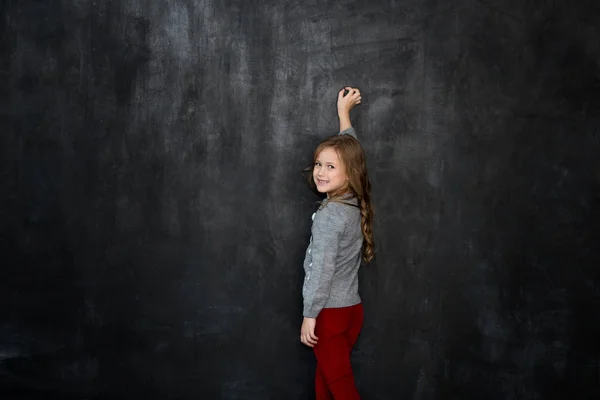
x=333, y=256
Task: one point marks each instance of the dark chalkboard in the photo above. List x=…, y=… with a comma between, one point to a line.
x=154, y=216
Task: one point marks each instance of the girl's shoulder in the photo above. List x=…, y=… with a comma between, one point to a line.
x=336, y=215
x=342, y=208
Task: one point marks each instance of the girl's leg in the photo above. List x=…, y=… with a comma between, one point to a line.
x=356, y=323
x=321, y=389
x=332, y=352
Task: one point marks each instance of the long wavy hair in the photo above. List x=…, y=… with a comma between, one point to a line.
x=353, y=160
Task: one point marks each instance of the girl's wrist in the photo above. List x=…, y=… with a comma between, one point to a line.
x=343, y=113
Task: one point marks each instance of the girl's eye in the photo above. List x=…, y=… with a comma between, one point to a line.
x=331, y=166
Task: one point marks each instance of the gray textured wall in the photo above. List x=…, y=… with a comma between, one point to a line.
x=154, y=218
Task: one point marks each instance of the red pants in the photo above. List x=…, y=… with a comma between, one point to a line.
x=337, y=330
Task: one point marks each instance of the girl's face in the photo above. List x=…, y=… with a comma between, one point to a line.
x=329, y=173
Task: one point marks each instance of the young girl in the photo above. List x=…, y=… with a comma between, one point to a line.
x=341, y=238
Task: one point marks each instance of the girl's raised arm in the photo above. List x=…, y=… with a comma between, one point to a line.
x=345, y=103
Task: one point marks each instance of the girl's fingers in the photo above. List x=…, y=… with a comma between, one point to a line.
x=307, y=342
x=353, y=94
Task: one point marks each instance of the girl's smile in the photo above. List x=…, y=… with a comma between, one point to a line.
x=329, y=173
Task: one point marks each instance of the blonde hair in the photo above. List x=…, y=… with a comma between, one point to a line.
x=352, y=157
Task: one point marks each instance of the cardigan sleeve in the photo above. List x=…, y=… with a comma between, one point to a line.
x=349, y=131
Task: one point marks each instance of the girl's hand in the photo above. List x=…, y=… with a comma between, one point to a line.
x=307, y=333
x=347, y=102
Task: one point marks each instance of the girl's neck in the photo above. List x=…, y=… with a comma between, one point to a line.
x=341, y=195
